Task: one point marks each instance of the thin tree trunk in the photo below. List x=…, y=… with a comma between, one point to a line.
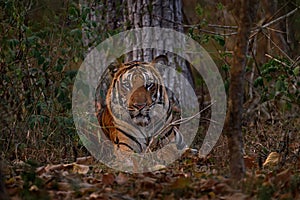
x=233, y=125
x=165, y=14
x=3, y=193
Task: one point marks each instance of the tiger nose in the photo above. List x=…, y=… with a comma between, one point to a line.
x=139, y=106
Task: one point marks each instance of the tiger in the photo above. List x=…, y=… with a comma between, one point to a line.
x=138, y=106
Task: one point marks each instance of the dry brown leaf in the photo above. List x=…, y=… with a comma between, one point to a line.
x=63, y=186
x=86, y=188
x=40, y=170
x=108, y=179
x=286, y=196
x=10, y=181
x=223, y=188
x=206, y=197
x=33, y=188
x=68, y=166
x=80, y=169
x=148, y=182
x=158, y=167
x=207, y=184
x=272, y=159
x=212, y=195
x=50, y=168
x=60, y=194
x=121, y=178
x=250, y=162
x=283, y=177
x=181, y=183
x=97, y=195
x=238, y=196
x=88, y=160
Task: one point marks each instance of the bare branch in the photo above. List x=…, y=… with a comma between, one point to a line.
x=275, y=30
x=269, y=56
x=279, y=18
x=277, y=46
x=223, y=26
x=175, y=123
x=296, y=62
x=215, y=33
x=197, y=27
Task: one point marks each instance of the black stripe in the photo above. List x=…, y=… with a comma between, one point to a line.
x=167, y=134
x=125, y=144
x=131, y=137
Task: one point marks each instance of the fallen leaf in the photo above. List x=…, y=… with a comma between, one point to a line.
x=80, y=169
x=212, y=195
x=158, y=167
x=222, y=188
x=50, y=168
x=121, y=178
x=207, y=184
x=283, y=177
x=250, y=162
x=10, y=181
x=40, y=170
x=33, y=188
x=97, y=195
x=108, y=179
x=88, y=160
x=86, y=188
x=272, y=159
x=62, y=186
x=237, y=196
x=286, y=196
x=148, y=182
x=181, y=183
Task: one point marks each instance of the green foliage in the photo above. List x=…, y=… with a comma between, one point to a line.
x=220, y=6
x=219, y=39
x=199, y=10
x=279, y=81
x=295, y=184
x=37, y=59
x=265, y=192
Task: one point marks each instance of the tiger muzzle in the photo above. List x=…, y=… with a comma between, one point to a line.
x=140, y=115
x=139, y=108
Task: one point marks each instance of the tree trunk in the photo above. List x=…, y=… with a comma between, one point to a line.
x=233, y=125
x=3, y=193
x=165, y=14
x=132, y=14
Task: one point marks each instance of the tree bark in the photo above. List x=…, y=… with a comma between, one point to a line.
x=132, y=14
x=233, y=125
x=3, y=193
x=164, y=14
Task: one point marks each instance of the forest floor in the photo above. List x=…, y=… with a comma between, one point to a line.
x=271, y=173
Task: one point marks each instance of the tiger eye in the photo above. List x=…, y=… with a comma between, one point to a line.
x=149, y=85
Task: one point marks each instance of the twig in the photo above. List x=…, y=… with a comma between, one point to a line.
x=277, y=46
x=222, y=26
x=175, y=123
x=184, y=120
x=269, y=56
x=256, y=30
x=196, y=25
x=279, y=18
x=296, y=62
x=215, y=33
x=275, y=30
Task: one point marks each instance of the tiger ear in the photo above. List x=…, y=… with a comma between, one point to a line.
x=113, y=68
x=116, y=65
x=163, y=59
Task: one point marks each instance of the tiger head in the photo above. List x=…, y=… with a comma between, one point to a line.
x=137, y=93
